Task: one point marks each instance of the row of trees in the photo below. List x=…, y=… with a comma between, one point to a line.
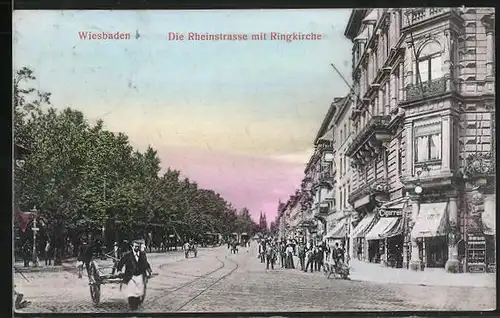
x=81, y=177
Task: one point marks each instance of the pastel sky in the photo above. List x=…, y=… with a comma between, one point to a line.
x=238, y=117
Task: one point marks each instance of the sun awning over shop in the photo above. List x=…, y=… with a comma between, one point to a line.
x=431, y=220
x=339, y=231
x=363, y=226
x=488, y=217
x=382, y=228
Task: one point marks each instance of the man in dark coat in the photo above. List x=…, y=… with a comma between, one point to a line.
x=137, y=268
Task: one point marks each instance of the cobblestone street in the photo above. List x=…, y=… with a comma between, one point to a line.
x=219, y=281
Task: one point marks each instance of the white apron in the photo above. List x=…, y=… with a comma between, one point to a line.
x=135, y=287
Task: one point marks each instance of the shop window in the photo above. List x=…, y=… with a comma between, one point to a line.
x=428, y=143
x=429, y=63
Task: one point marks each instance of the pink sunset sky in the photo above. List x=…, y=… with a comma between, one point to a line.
x=237, y=117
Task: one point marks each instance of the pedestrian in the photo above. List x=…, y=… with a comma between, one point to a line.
x=340, y=253
x=302, y=255
x=319, y=257
x=262, y=251
x=48, y=250
x=82, y=248
x=116, y=257
x=271, y=256
x=289, y=256
x=137, y=269
x=282, y=251
x=310, y=255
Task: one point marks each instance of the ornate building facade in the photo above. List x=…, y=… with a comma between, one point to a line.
x=422, y=150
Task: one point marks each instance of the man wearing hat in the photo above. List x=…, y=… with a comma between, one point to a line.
x=136, y=269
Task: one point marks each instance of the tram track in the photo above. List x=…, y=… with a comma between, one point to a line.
x=155, y=299
x=211, y=285
x=172, y=296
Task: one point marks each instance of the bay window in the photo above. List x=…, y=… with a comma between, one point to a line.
x=428, y=143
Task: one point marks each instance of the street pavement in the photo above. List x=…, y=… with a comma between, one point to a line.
x=218, y=281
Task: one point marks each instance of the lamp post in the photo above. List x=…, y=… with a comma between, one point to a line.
x=416, y=262
x=35, y=229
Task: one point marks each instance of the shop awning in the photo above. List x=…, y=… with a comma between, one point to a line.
x=363, y=226
x=431, y=220
x=339, y=231
x=382, y=228
x=488, y=216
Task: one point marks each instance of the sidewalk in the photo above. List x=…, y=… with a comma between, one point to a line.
x=430, y=276
x=67, y=264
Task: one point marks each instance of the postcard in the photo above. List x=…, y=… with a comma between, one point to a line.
x=246, y=161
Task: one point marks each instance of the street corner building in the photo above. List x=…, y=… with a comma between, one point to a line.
x=403, y=172
x=423, y=147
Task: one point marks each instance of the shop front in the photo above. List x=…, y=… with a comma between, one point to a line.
x=489, y=223
x=385, y=240
x=357, y=237
x=338, y=235
x=429, y=236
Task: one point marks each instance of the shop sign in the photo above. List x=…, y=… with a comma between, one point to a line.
x=385, y=213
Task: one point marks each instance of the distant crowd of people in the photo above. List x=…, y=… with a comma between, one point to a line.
x=311, y=256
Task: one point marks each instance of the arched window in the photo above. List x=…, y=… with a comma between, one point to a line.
x=429, y=62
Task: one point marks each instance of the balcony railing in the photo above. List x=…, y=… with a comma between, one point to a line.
x=418, y=15
x=378, y=187
x=373, y=133
x=426, y=89
x=325, y=146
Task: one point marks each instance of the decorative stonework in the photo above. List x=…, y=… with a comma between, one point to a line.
x=378, y=187
x=426, y=89
x=479, y=165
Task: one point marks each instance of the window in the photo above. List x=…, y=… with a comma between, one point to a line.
x=340, y=199
x=345, y=197
x=374, y=167
x=400, y=155
x=387, y=49
x=345, y=164
x=341, y=166
x=345, y=130
x=429, y=63
x=386, y=162
x=428, y=142
x=348, y=189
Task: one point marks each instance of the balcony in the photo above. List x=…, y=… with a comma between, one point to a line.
x=366, y=145
x=378, y=189
x=425, y=90
x=420, y=16
x=324, y=146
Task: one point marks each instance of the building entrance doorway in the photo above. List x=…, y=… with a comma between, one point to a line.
x=436, y=251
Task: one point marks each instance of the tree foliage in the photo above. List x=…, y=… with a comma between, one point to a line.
x=83, y=176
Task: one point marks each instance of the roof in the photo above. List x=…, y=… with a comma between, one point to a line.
x=328, y=118
x=354, y=22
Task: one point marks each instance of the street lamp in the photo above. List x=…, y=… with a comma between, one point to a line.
x=35, y=229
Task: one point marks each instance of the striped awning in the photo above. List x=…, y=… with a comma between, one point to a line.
x=339, y=231
x=363, y=226
x=383, y=228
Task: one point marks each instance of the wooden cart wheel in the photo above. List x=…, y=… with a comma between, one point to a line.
x=95, y=285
